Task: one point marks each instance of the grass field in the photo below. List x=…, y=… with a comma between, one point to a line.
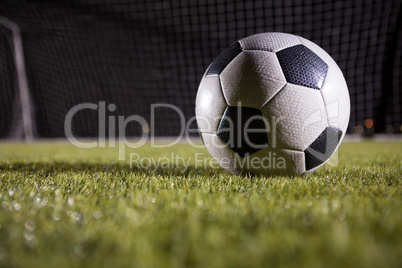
x=62, y=206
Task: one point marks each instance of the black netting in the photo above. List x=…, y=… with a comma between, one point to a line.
x=136, y=53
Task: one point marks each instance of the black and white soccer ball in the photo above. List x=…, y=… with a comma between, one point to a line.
x=272, y=104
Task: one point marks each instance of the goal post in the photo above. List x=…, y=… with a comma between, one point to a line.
x=22, y=118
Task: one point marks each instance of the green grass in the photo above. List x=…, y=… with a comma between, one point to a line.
x=67, y=207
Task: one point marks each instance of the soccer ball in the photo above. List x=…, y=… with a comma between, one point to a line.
x=272, y=104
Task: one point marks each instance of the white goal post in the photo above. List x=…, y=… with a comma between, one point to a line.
x=22, y=83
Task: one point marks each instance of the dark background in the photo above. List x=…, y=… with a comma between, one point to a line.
x=135, y=53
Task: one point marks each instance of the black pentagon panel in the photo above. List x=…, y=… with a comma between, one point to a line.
x=322, y=148
x=224, y=59
x=235, y=121
x=302, y=66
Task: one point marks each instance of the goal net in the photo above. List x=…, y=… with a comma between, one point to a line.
x=137, y=53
